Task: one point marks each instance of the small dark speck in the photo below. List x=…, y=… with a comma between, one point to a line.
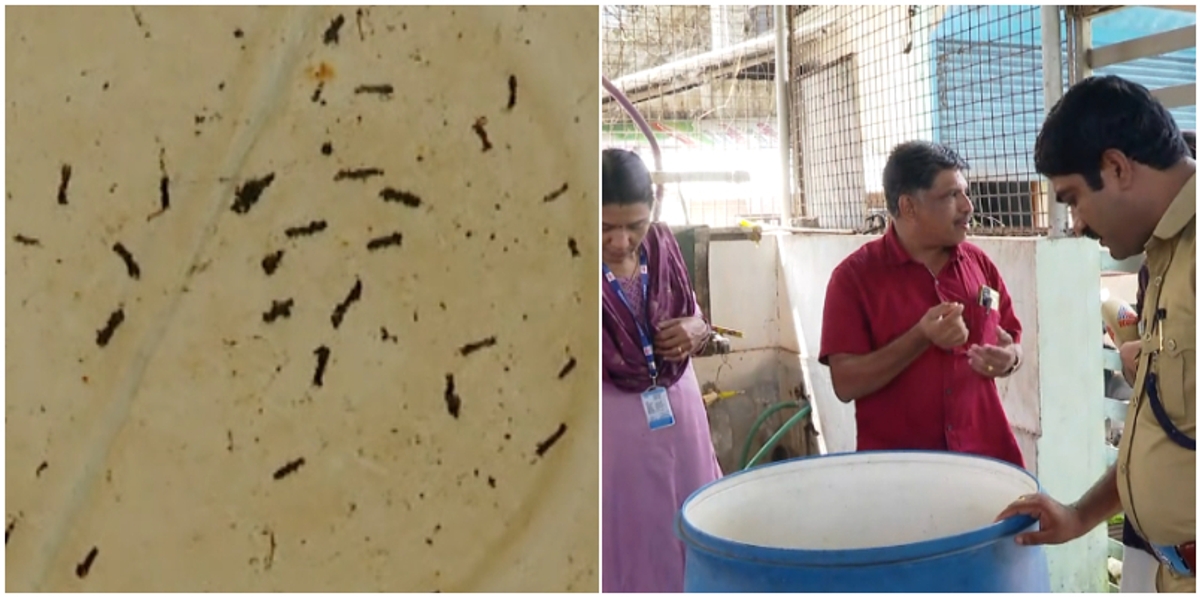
x=26, y=240
x=384, y=90
x=106, y=85
x=238, y=33
x=250, y=192
x=288, y=469
x=270, y=263
x=491, y=482
x=131, y=266
x=82, y=568
x=396, y=196
x=512, y=91
x=63, y=182
x=164, y=182
x=307, y=230
x=335, y=27
x=279, y=309
x=327, y=148
x=573, y=246
x=357, y=174
x=385, y=335
x=106, y=333
x=453, y=401
x=221, y=86
x=482, y=132
x=569, y=367
x=428, y=541
x=322, y=353
x=545, y=445
x=555, y=194
x=41, y=468
x=467, y=349
x=393, y=239
x=339, y=312
x=8, y=529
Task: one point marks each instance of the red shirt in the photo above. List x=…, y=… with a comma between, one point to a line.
x=938, y=403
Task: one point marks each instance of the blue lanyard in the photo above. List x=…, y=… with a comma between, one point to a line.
x=647, y=346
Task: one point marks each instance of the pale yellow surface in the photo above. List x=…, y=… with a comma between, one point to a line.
x=160, y=449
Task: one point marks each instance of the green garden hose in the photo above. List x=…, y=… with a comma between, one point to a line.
x=776, y=438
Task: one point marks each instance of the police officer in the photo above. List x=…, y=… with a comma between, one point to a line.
x=1116, y=157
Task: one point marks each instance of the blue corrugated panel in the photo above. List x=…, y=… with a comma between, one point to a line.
x=988, y=87
x=1176, y=68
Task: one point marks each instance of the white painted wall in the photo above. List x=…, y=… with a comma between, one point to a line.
x=746, y=299
x=1053, y=402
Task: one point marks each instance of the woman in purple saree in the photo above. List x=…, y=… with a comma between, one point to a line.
x=657, y=446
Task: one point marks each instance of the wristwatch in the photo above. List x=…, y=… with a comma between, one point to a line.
x=1016, y=364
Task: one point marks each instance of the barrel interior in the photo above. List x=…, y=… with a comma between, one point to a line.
x=858, y=501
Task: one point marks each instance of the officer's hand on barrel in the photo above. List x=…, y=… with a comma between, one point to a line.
x=1058, y=523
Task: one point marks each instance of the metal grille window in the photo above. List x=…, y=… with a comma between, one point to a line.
x=866, y=78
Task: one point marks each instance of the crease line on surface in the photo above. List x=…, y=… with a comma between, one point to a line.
x=271, y=92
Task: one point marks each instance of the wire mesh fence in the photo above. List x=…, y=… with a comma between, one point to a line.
x=866, y=78
x=860, y=80
x=703, y=78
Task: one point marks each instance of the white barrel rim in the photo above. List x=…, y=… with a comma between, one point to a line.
x=696, y=538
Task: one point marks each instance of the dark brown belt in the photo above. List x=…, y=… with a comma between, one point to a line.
x=1180, y=558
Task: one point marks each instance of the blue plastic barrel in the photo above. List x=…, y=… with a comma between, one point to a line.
x=863, y=522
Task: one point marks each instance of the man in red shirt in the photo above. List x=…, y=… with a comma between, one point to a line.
x=918, y=324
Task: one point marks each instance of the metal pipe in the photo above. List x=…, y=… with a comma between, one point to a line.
x=702, y=69
x=646, y=130
x=783, y=114
x=1081, y=40
x=1052, y=62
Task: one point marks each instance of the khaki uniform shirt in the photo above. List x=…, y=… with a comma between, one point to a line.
x=1155, y=477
